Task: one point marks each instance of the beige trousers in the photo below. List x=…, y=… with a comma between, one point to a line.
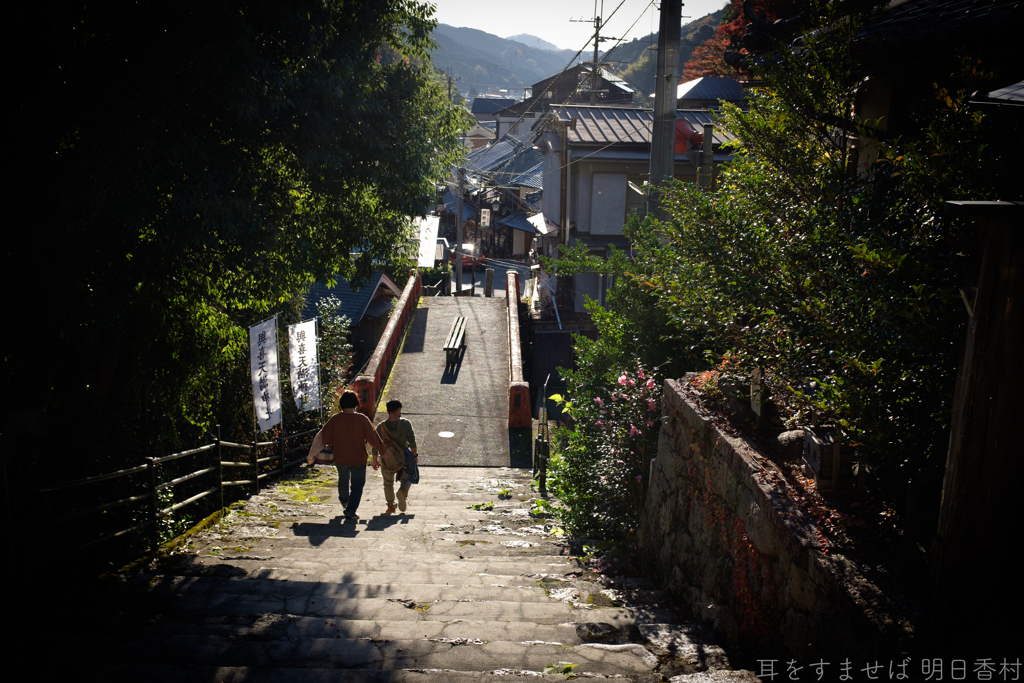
x=389, y=484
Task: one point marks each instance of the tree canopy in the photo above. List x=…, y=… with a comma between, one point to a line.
x=186, y=168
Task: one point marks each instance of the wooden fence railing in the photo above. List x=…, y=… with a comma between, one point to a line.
x=245, y=473
x=212, y=467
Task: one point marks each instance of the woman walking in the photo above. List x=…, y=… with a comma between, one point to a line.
x=348, y=432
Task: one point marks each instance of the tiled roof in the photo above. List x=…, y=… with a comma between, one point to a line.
x=518, y=221
x=489, y=105
x=354, y=302
x=451, y=202
x=490, y=157
x=524, y=163
x=708, y=88
x=532, y=177
x=534, y=201
x=620, y=125
x=1011, y=93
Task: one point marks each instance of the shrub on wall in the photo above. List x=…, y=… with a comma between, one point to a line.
x=599, y=474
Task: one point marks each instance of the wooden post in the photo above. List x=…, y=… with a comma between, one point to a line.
x=255, y=488
x=489, y=282
x=154, y=530
x=220, y=469
x=975, y=578
x=280, y=473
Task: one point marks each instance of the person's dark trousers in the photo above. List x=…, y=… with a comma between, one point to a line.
x=350, y=499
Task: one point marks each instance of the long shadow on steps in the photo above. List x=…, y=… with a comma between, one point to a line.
x=339, y=527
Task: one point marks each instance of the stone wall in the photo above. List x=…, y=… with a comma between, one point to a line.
x=722, y=534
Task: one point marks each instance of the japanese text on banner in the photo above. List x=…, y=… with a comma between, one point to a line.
x=304, y=369
x=265, y=384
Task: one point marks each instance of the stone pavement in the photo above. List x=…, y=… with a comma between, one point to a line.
x=469, y=401
x=284, y=589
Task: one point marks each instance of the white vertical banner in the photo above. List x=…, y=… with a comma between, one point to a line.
x=266, y=388
x=304, y=368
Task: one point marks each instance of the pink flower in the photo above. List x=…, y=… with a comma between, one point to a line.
x=632, y=383
x=651, y=404
x=599, y=402
x=633, y=431
x=622, y=379
x=597, y=424
x=650, y=424
x=613, y=395
x=641, y=374
x=650, y=383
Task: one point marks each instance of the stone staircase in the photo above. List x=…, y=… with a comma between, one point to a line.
x=285, y=589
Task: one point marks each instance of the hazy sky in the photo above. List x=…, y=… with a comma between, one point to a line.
x=551, y=19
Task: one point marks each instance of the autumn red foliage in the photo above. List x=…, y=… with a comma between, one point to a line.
x=709, y=58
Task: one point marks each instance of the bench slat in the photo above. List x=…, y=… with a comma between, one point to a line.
x=456, y=338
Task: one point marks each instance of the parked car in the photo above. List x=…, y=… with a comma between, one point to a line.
x=468, y=259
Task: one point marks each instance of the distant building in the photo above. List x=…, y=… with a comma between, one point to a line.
x=572, y=86
x=607, y=162
x=484, y=108
x=709, y=92
x=368, y=308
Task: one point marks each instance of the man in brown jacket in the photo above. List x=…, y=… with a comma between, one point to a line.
x=349, y=432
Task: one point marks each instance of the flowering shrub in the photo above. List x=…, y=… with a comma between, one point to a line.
x=602, y=463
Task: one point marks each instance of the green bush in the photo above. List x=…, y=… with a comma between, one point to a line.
x=801, y=266
x=601, y=465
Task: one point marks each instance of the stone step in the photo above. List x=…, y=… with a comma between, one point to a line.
x=449, y=544
x=407, y=578
x=288, y=591
x=489, y=558
x=165, y=673
x=292, y=626
x=411, y=609
x=194, y=587
x=460, y=655
x=456, y=569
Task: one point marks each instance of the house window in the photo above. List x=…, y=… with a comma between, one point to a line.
x=636, y=200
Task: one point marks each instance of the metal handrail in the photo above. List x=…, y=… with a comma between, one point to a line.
x=243, y=446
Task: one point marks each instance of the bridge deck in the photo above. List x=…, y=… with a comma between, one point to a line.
x=469, y=399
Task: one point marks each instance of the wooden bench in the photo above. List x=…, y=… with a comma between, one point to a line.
x=455, y=341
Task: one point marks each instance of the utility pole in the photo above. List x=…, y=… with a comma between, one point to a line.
x=595, y=71
x=458, y=236
x=450, y=81
x=663, y=132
